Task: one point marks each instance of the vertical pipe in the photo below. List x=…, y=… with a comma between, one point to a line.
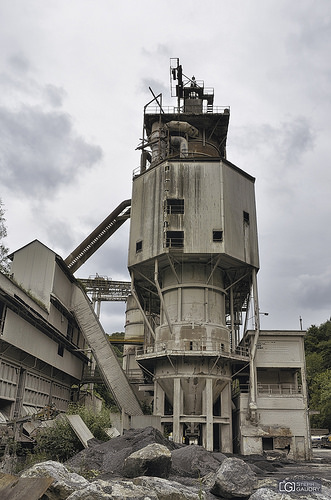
x=177, y=411
x=206, y=309
x=252, y=378
x=234, y=340
x=179, y=304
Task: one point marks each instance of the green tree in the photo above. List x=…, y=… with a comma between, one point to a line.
x=320, y=399
x=318, y=361
x=4, y=262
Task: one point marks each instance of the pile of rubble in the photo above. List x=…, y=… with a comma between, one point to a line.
x=143, y=465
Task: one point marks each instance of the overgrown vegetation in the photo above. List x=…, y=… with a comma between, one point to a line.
x=318, y=361
x=4, y=261
x=59, y=442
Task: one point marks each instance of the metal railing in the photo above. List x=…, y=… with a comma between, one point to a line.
x=174, y=110
x=193, y=346
x=278, y=389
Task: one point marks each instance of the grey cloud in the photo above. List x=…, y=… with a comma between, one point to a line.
x=19, y=62
x=313, y=291
x=297, y=139
x=40, y=151
x=54, y=95
x=158, y=87
x=160, y=50
x=289, y=141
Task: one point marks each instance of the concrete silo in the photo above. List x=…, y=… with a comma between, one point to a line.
x=193, y=258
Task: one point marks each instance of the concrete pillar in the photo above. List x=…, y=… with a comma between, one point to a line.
x=158, y=399
x=226, y=412
x=177, y=407
x=209, y=434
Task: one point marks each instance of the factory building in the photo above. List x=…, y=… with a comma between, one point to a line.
x=41, y=345
x=191, y=352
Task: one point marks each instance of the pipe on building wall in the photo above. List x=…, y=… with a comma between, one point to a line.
x=252, y=377
x=184, y=127
x=181, y=142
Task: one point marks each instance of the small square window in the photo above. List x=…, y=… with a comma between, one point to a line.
x=139, y=246
x=217, y=235
x=246, y=217
x=174, y=239
x=175, y=206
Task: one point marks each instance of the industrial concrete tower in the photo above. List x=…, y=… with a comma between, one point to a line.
x=193, y=258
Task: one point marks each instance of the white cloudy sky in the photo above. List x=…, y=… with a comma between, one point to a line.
x=74, y=77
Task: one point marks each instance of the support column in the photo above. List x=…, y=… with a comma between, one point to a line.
x=158, y=399
x=177, y=407
x=209, y=434
x=226, y=412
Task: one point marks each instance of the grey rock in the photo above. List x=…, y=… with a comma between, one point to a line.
x=194, y=461
x=127, y=490
x=271, y=494
x=268, y=494
x=153, y=460
x=94, y=491
x=108, y=458
x=170, y=490
x=234, y=479
x=65, y=482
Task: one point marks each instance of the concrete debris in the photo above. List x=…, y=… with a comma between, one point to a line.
x=153, y=460
x=234, y=479
x=80, y=429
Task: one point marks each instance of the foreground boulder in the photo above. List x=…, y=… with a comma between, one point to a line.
x=108, y=458
x=153, y=460
x=65, y=482
x=113, y=490
x=195, y=461
x=170, y=490
x=234, y=479
x=273, y=494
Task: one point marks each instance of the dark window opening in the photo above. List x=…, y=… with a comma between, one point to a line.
x=60, y=350
x=246, y=217
x=168, y=409
x=70, y=332
x=267, y=444
x=217, y=235
x=139, y=246
x=2, y=316
x=174, y=239
x=175, y=206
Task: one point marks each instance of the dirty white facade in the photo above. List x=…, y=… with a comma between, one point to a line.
x=40, y=341
x=193, y=261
